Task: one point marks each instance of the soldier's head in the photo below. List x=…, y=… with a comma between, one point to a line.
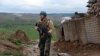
x=43, y=15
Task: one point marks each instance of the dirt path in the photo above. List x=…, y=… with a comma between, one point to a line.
x=33, y=50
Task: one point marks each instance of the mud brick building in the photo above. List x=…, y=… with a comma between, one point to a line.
x=85, y=29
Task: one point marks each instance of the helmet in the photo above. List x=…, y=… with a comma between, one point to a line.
x=43, y=13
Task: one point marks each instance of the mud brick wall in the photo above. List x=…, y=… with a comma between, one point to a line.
x=66, y=31
x=82, y=33
x=70, y=31
x=86, y=30
x=75, y=30
x=92, y=30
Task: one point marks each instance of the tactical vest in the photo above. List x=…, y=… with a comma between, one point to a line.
x=45, y=23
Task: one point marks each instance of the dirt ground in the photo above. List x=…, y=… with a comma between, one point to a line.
x=33, y=50
x=73, y=48
x=76, y=49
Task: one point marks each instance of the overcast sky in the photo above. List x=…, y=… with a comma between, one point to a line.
x=50, y=6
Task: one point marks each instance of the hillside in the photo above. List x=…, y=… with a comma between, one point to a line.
x=29, y=18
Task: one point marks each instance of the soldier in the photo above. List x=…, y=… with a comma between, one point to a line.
x=45, y=27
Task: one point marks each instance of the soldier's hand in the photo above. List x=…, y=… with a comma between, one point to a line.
x=50, y=31
x=36, y=28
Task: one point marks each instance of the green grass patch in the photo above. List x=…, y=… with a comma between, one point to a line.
x=28, y=29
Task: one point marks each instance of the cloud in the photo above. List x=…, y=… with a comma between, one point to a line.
x=22, y=2
x=35, y=6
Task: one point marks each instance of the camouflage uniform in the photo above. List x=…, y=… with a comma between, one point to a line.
x=45, y=40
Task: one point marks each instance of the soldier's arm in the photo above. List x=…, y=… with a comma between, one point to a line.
x=36, y=26
x=51, y=26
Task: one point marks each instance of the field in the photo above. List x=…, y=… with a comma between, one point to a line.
x=28, y=29
x=11, y=22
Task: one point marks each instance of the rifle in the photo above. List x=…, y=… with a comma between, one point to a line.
x=43, y=30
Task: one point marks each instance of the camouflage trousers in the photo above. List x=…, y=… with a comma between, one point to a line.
x=44, y=45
